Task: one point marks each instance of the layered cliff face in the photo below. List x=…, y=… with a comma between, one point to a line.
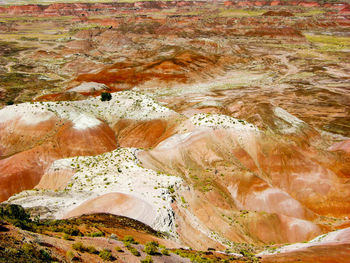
x=225, y=129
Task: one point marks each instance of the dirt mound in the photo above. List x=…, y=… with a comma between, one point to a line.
x=116, y=204
x=112, y=41
x=278, y=13
x=182, y=67
x=80, y=45
x=88, y=34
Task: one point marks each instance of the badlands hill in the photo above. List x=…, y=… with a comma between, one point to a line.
x=219, y=131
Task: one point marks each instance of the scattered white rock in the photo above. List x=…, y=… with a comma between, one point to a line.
x=222, y=121
x=292, y=123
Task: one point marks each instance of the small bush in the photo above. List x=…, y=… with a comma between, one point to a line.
x=70, y=255
x=15, y=212
x=16, y=215
x=151, y=248
x=118, y=249
x=129, y=239
x=79, y=246
x=96, y=234
x=165, y=252
x=106, y=96
x=171, y=189
x=72, y=231
x=133, y=251
x=28, y=248
x=66, y=236
x=92, y=250
x=45, y=255
x=106, y=254
x=148, y=259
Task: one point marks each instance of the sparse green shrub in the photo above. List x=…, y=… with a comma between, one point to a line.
x=106, y=96
x=96, y=234
x=133, y=251
x=148, y=259
x=129, y=240
x=15, y=212
x=165, y=252
x=27, y=248
x=151, y=248
x=45, y=255
x=118, y=249
x=66, y=236
x=72, y=231
x=70, y=255
x=16, y=215
x=79, y=246
x=92, y=250
x=106, y=254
